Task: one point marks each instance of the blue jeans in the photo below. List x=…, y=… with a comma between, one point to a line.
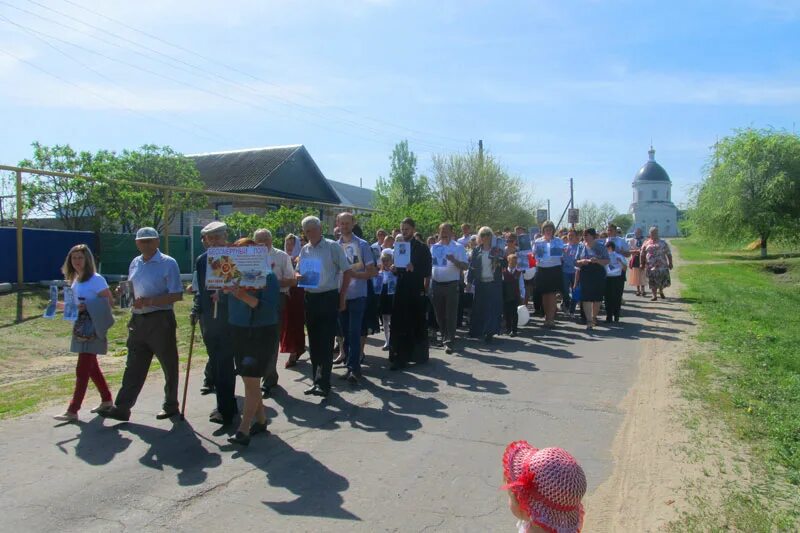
x=569, y=280
x=351, y=320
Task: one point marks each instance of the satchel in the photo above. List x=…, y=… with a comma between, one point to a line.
x=83, y=328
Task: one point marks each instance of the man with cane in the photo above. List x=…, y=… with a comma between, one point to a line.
x=156, y=282
x=210, y=309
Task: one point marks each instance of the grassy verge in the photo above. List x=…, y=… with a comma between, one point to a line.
x=696, y=250
x=35, y=364
x=748, y=374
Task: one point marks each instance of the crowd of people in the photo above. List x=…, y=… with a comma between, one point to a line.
x=415, y=291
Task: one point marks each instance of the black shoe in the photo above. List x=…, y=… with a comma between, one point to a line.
x=616, y=319
x=206, y=389
x=608, y=319
x=385, y=348
x=116, y=413
x=448, y=349
x=322, y=391
x=352, y=378
x=488, y=339
x=240, y=438
x=265, y=392
x=340, y=361
x=395, y=366
x=311, y=390
x=257, y=428
x=164, y=414
x=346, y=375
x=217, y=418
x=512, y=334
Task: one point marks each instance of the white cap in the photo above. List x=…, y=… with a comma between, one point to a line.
x=146, y=233
x=214, y=227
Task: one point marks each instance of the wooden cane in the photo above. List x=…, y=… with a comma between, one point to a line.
x=188, y=367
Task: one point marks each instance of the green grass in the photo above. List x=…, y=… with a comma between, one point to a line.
x=693, y=249
x=748, y=374
x=29, y=376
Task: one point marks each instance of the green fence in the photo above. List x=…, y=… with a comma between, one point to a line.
x=116, y=250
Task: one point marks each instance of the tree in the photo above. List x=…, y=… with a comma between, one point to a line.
x=474, y=188
x=280, y=222
x=751, y=188
x=128, y=207
x=404, y=194
x=596, y=216
x=67, y=198
x=623, y=221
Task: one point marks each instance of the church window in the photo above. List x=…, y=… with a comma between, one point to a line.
x=655, y=194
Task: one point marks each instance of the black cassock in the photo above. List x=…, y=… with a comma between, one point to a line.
x=409, y=330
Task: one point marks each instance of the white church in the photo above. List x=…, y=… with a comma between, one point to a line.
x=652, y=199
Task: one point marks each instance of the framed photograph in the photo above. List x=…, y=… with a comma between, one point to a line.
x=402, y=254
x=310, y=271
x=245, y=266
x=439, y=255
x=50, y=311
x=70, y=307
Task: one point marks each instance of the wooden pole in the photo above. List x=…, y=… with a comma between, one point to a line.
x=166, y=222
x=20, y=264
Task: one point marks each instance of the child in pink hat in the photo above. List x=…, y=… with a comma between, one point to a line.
x=545, y=488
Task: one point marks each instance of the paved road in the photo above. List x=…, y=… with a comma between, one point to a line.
x=411, y=451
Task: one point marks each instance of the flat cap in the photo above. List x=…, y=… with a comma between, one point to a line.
x=146, y=233
x=214, y=227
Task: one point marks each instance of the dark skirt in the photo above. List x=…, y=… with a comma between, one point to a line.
x=593, y=283
x=549, y=279
x=293, y=334
x=371, y=323
x=386, y=302
x=487, y=308
x=251, y=347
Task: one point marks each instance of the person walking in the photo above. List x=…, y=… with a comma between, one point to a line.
x=486, y=272
x=281, y=265
x=210, y=310
x=656, y=260
x=324, y=298
x=293, y=333
x=94, y=301
x=568, y=269
x=254, y=319
x=636, y=274
x=591, y=259
x=615, y=282
x=511, y=296
x=549, y=279
x=449, y=260
x=156, y=281
x=362, y=269
x=408, y=339
x=388, y=284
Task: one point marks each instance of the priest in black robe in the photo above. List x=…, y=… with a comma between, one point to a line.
x=409, y=328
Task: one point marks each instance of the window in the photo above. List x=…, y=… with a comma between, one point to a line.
x=655, y=194
x=224, y=209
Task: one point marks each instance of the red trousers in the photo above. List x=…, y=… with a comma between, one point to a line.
x=87, y=369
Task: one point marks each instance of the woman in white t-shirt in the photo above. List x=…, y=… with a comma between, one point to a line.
x=87, y=285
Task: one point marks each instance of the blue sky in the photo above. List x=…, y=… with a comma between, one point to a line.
x=555, y=89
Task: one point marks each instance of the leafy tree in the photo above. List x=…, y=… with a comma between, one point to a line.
x=596, y=216
x=128, y=207
x=475, y=188
x=403, y=186
x=67, y=198
x=280, y=222
x=751, y=188
x=623, y=221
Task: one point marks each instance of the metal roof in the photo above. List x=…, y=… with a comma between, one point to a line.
x=651, y=171
x=353, y=195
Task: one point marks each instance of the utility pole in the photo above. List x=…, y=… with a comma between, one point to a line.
x=548, y=209
x=571, y=195
x=480, y=152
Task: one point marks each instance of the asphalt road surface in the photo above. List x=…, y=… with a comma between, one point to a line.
x=406, y=451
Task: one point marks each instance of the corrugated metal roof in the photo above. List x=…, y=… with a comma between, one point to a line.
x=354, y=196
x=241, y=170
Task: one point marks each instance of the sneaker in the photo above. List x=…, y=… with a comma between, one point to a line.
x=102, y=407
x=67, y=417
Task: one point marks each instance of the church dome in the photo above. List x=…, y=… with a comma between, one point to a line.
x=652, y=171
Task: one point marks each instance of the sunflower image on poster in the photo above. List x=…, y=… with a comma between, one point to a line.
x=225, y=268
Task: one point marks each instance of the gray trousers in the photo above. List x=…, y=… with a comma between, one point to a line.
x=271, y=372
x=150, y=334
x=445, y=306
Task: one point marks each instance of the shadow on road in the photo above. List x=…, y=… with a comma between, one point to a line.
x=96, y=444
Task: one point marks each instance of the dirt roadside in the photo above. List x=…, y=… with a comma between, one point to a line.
x=657, y=467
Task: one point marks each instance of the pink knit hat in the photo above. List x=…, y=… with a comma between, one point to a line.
x=548, y=484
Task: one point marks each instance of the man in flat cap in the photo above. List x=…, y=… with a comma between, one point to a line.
x=156, y=281
x=215, y=330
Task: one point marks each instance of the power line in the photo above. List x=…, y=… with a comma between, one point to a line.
x=85, y=89
x=239, y=71
x=202, y=72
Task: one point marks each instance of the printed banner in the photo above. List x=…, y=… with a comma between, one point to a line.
x=246, y=266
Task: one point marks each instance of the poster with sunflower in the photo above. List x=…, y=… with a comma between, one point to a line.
x=246, y=266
